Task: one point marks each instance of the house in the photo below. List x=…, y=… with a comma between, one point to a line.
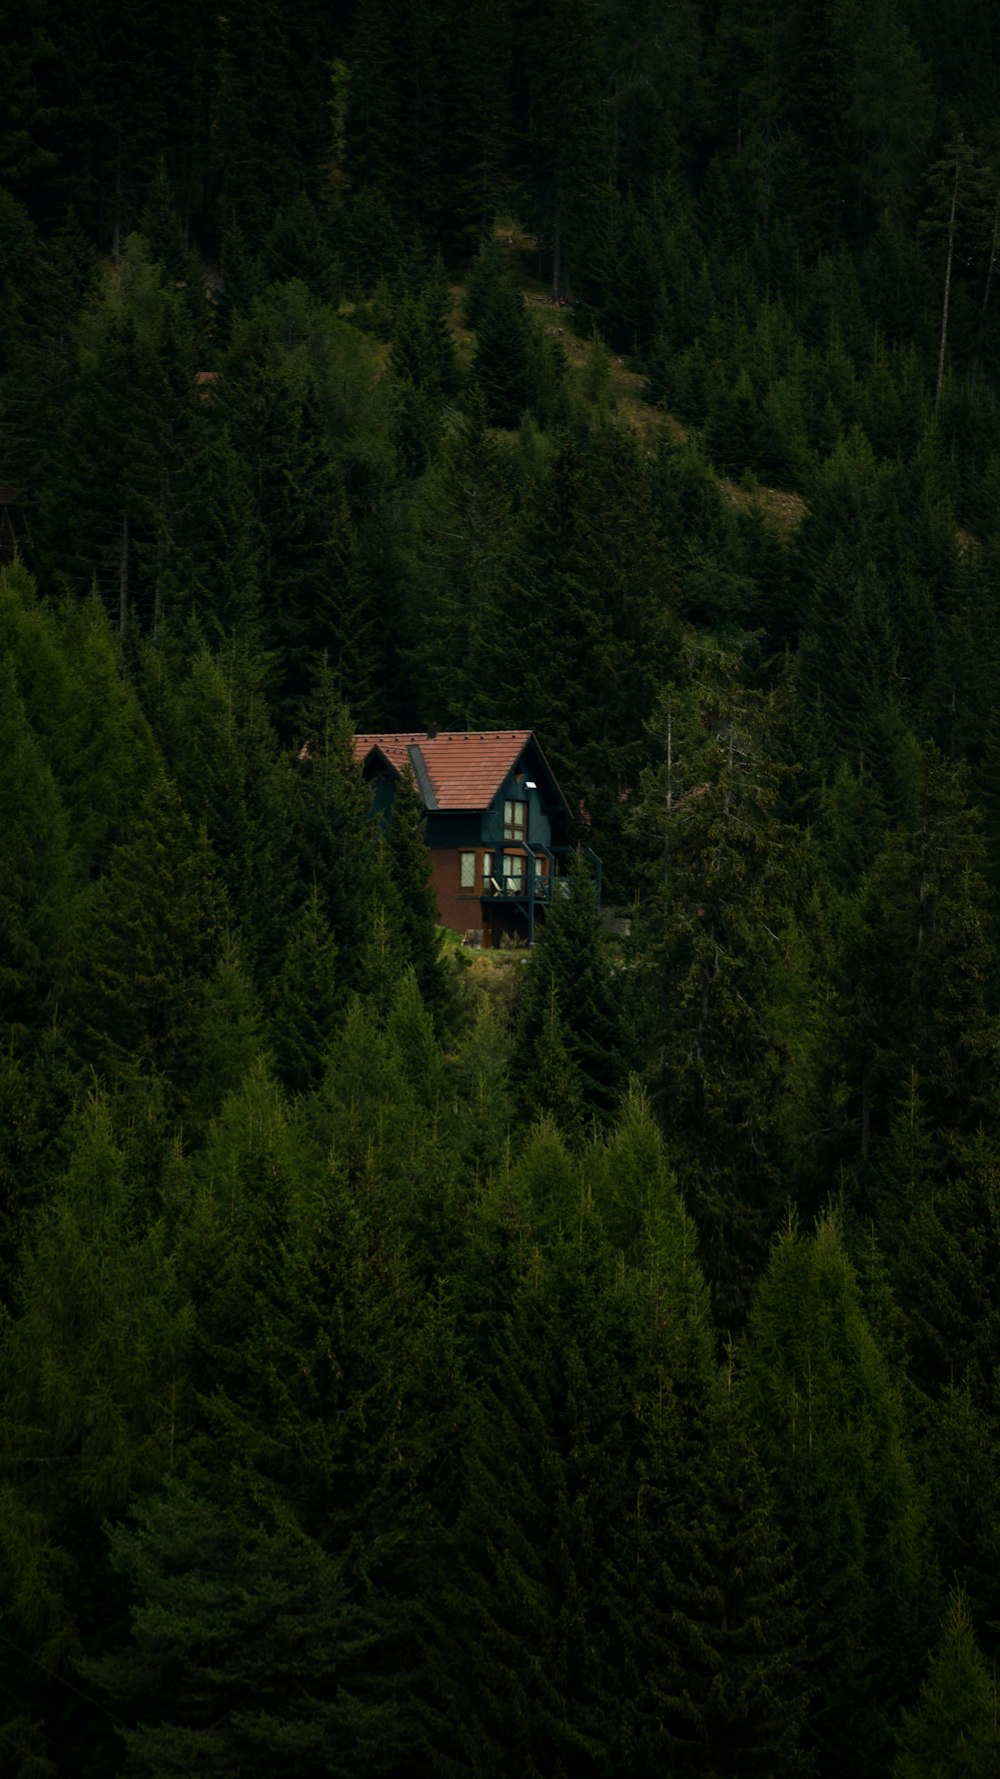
x=497, y=824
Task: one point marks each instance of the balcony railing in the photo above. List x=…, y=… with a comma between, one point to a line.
x=537, y=882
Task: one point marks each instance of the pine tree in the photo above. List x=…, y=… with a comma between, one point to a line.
x=35, y=906
x=457, y=573
x=597, y=634
x=231, y=1033
x=223, y=754
x=962, y=189
x=953, y=1730
x=501, y=368
x=570, y=961
x=241, y=1628
x=307, y=998
x=719, y=896
x=410, y=865
x=550, y=1073
x=332, y=835
x=139, y=1001
x=483, y=1109
x=520, y=1665
x=828, y=1425
x=924, y=965
x=94, y=1403
x=726, y=1650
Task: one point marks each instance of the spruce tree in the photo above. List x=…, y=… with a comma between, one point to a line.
x=828, y=1427
x=520, y=1664
x=456, y=573
x=718, y=900
x=138, y=1003
x=410, y=866
x=306, y=998
x=332, y=835
x=241, y=1627
x=725, y=1639
x=923, y=965
x=501, y=368
x=953, y=1730
x=35, y=905
x=569, y=959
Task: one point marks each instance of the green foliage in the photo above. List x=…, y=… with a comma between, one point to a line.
x=719, y=894
x=358, y=1295
x=35, y=909
x=570, y=1030
x=729, y=1634
x=241, y=1629
x=138, y=1002
x=410, y=867
x=521, y=1662
x=828, y=1423
x=501, y=368
x=954, y=1727
x=306, y=998
x=95, y=1356
x=457, y=572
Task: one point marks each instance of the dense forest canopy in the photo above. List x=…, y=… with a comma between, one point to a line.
x=570, y=1363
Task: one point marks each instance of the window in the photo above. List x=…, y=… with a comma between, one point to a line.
x=541, y=875
x=467, y=870
x=488, y=874
x=515, y=820
x=513, y=870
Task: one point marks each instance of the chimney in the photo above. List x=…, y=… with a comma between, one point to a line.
x=432, y=730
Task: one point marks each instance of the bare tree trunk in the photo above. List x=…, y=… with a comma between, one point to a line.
x=116, y=226
x=123, y=577
x=947, y=288
x=986, y=294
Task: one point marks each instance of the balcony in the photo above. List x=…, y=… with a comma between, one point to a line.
x=534, y=878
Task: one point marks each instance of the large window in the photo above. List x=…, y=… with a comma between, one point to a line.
x=488, y=887
x=515, y=820
x=467, y=870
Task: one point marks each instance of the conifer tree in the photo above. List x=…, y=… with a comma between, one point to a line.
x=223, y=753
x=231, y=1032
x=953, y=1730
x=35, y=908
x=410, y=865
x=94, y=1403
x=719, y=895
x=456, y=574
x=551, y=1075
x=726, y=1650
x=483, y=1111
x=84, y=716
x=597, y=634
x=323, y=1364
x=520, y=1663
x=241, y=1629
x=306, y=998
x=828, y=1426
x=331, y=830
x=139, y=1000
x=647, y=1220
x=925, y=963
x=569, y=959
x=501, y=368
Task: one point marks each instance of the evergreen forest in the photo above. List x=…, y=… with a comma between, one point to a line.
x=575, y=1363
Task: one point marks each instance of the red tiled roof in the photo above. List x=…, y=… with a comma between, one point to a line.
x=465, y=771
